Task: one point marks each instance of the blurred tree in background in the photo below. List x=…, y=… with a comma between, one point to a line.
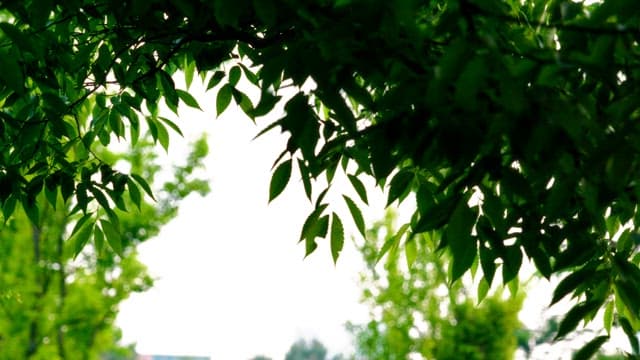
x=303, y=350
x=418, y=313
x=60, y=296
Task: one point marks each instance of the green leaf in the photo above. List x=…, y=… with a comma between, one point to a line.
x=143, y=183
x=31, y=209
x=244, y=102
x=512, y=262
x=306, y=179
x=280, y=179
x=462, y=244
x=9, y=206
x=98, y=239
x=234, y=75
x=162, y=135
x=399, y=185
x=590, y=348
x=483, y=289
x=134, y=193
x=11, y=73
x=487, y=263
x=80, y=237
x=171, y=124
x=188, y=99
x=112, y=235
x=608, y=316
x=631, y=334
x=169, y=90
x=356, y=214
x=337, y=237
x=411, y=252
x=391, y=242
x=310, y=228
x=359, y=187
x=223, y=99
x=215, y=79
x=571, y=282
x=574, y=316
x=266, y=11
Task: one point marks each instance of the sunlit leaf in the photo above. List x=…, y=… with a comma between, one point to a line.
x=112, y=235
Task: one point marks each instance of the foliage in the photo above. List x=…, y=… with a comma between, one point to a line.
x=417, y=313
x=514, y=123
x=57, y=303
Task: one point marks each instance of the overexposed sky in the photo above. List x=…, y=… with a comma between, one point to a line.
x=232, y=281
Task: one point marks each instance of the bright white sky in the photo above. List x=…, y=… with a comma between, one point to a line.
x=232, y=282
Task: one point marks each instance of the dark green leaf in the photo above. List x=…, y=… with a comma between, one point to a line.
x=590, y=348
x=462, y=244
x=234, y=75
x=11, y=73
x=631, y=334
x=571, y=282
x=134, y=193
x=266, y=11
x=215, y=79
x=280, y=179
x=359, y=187
x=145, y=186
x=223, y=99
x=356, y=214
x=577, y=313
x=337, y=237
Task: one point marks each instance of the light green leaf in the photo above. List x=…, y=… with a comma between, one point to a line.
x=411, y=251
x=608, y=316
x=188, y=99
x=113, y=237
x=80, y=237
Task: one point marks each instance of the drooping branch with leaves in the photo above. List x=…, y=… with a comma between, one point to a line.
x=513, y=123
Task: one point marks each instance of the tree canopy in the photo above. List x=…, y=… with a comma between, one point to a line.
x=512, y=122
